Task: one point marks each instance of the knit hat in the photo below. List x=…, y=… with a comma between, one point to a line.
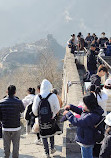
x=108, y=119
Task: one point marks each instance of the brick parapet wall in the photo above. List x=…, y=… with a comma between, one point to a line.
x=73, y=95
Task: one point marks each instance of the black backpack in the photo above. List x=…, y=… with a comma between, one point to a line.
x=44, y=113
x=99, y=130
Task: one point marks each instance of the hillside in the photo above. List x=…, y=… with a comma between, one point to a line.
x=29, y=53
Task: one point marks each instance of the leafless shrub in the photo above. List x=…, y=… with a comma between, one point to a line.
x=31, y=75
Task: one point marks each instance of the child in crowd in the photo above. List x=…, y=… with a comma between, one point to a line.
x=27, y=101
x=90, y=116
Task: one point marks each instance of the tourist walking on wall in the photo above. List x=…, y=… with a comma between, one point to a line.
x=38, y=140
x=28, y=101
x=55, y=91
x=72, y=42
x=10, y=109
x=46, y=106
x=90, y=116
x=91, y=60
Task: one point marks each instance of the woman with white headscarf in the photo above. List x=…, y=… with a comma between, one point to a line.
x=45, y=92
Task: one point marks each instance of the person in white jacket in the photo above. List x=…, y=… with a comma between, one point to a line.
x=101, y=96
x=45, y=90
x=28, y=100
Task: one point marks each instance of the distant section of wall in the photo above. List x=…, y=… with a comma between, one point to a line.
x=73, y=95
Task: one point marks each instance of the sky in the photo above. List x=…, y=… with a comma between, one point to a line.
x=31, y=20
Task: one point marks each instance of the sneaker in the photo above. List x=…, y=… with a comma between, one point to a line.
x=38, y=141
x=53, y=151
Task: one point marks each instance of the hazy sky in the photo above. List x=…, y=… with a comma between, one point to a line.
x=30, y=20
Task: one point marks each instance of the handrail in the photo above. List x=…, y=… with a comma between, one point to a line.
x=85, y=49
x=99, y=56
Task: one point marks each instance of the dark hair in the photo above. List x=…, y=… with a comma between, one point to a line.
x=91, y=102
x=31, y=90
x=103, y=33
x=80, y=33
x=11, y=90
x=103, y=68
x=73, y=35
x=95, y=89
x=78, y=36
x=95, y=38
x=38, y=87
x=54, y=91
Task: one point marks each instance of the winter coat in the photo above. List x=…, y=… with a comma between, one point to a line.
x=53, y=101
x=10, y=109
x=85, y=124
x=91, y=61
x=105, y=151
x=28, y=114
x=28, y=99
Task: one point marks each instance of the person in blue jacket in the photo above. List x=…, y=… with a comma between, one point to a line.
x=90, y=116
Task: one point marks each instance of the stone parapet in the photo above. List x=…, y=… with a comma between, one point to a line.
x=72, y=93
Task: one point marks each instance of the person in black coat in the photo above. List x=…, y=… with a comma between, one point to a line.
x=91, y=60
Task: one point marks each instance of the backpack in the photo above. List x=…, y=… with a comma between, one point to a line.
x=99, y=130
x=28, y=111
x=44, y=113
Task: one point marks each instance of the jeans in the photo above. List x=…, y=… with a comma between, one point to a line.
x=13, y=136
x=87, y=152
x=46, y=146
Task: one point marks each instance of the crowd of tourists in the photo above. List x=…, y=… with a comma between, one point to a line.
x=40, y=111
x=78, y=44
x=93, y=121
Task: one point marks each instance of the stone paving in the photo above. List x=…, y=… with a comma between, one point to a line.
x=28, y=149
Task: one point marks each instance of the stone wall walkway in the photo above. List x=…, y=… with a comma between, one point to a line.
x=28, y=149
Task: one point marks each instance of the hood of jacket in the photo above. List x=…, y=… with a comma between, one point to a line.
x=45, y=88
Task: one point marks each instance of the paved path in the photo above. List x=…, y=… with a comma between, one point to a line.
x=28, y=149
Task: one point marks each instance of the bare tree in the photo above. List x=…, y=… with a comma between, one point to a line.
x=32, y=75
